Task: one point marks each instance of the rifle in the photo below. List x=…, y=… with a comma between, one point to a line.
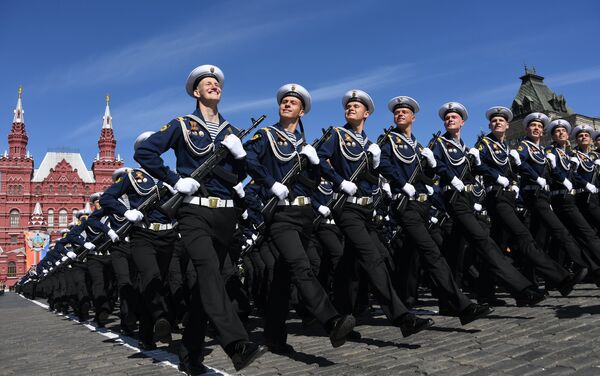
x=171, y=206
x=342, y=197
x=463, y=173
x=269, y=208
x=418, y=169
x=593, y=181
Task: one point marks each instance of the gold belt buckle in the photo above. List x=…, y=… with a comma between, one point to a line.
x=300, y=200
x=364, y=201
x=213, y=202
x=422, y=197
x=156, y=226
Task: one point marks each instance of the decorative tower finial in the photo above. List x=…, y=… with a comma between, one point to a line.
x=107, y=119
x=107, y=99
x=19, y=118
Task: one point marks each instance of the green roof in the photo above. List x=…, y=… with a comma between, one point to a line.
x=535, y=96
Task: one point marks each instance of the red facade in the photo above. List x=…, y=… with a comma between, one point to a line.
x=61, y=184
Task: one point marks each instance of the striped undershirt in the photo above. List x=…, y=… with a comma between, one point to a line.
x=292, y=136
x=213, y=129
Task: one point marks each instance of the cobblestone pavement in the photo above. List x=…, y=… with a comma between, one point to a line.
x=558, y=337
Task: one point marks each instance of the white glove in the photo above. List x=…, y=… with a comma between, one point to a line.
x=515, y=156
x=575, y=160
x=376, y=153
x=310, y=153
x=63, y=259
x=567, y=184
x=134, y=215
x=409, y=189
x=597, y=162
x=280, y=190
x=475, y=153
x=348, y=187
x=429, y=190
x=552, y=159
x=591, y=188
x=89, y=246
x=45, y=271
x=233, y=143
x=433, y=220
x=477, y=207
x=51, y=268
x=457, y=183
x=324, y=211
x=57, y=263
x=187, y=186
x=72, y=255
x=515, y=189
x=541, y=182
x=113, y=236
x=387, y=189
x=168, y=186
x=33, y=272
x=245, y=215
x=239, y=190
x=428, y=154
x=502, y=181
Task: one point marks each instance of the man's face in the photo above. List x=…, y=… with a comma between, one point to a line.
x=403, y=117
x=97, y=204
x=597, y=142
x=498, y=124
x=535, y=129
x=453, y=121
x=290, y=108
x=356, y=111
x=560, y=134
x=584, y=139
x=208, y=89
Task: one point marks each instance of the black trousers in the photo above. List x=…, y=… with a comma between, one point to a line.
x=206, y=234
x=151, y=252
x=542, y=216
x=80, y=288
x=501, y=207
x=568, y=212
x=413, y=221
x=331, y=240
x=100, y=272
x=290, y=234
x=125, y=272
x=589, y=207
x=462, y=212
x=177, y=281
x=361, y=246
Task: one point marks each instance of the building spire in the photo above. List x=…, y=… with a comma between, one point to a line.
x=107, y=119
x=18, y=118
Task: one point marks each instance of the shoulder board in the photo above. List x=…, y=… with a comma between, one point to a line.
x=165, y=127
x=520, y=147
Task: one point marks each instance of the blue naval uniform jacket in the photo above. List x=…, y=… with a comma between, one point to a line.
x=323, y=195
x=494, y=159
x=272, y=154
x=137, y=184
x=585, y=171
x=561, y=172
x=193, y=145
x=451, y=158
x=533, y=162
x=91, y=228
x=399, y=159
x=344, y=151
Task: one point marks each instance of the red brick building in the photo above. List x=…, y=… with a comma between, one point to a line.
x=60, y=186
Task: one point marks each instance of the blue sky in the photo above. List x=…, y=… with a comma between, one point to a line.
x=69, y=54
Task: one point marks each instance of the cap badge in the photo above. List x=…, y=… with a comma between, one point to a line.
x=293, y=88
x=212, y=69
x=353, y=93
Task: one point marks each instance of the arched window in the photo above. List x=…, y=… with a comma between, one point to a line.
x=38, y=190
x=74, y=212
x=50, y=218
x=62, y=218
x=75, y=188
x=14, y=218
x=12, y=269
x=50, y=189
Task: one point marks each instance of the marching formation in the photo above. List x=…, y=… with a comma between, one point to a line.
x=321, y=228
